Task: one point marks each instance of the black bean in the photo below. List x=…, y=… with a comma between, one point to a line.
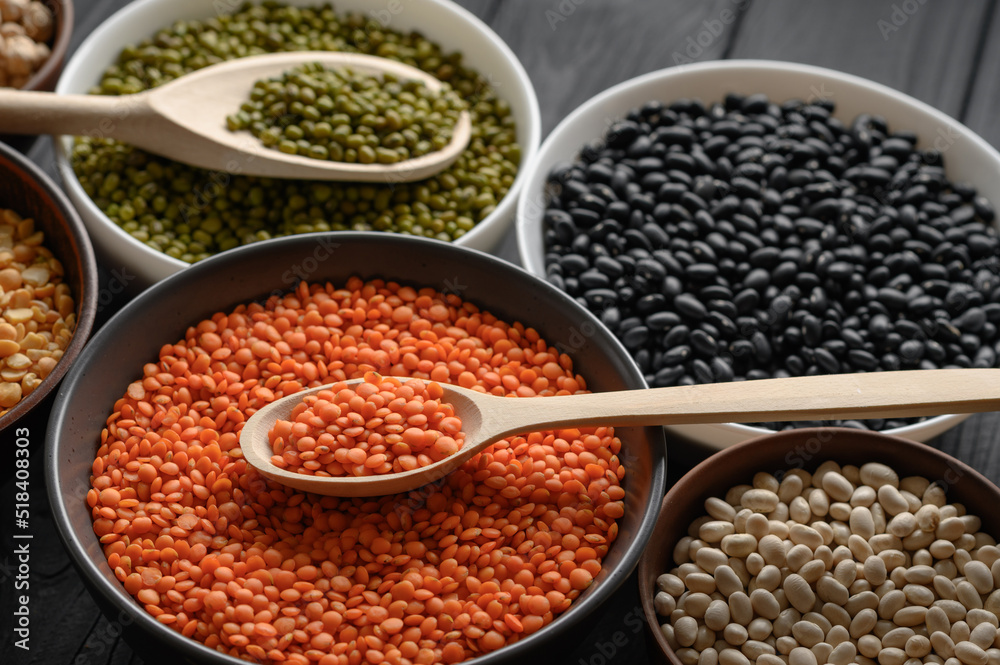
x=676, y=355
x=862, y=360
x=690, y=307
x=636, y=338
x=668, y=376
x=662, y=320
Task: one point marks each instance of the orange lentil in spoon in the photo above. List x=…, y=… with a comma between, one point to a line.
x=253, y=569
x=383, y=425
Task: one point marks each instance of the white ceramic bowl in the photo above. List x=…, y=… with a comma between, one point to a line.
x=442, y=21
x=967, y=157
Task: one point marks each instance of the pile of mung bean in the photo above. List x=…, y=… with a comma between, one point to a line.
x=190, y=214
x=494, y=552
x=383, y=425
x=37, y=311
x=842, y=565
x=746, y=239
x=345, y=116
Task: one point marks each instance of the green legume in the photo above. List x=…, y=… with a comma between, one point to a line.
x=234, y=209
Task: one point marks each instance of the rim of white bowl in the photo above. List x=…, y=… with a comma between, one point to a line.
x=531, y=204
x=529, y=145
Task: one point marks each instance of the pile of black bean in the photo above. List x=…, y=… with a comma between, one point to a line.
x=748, y=239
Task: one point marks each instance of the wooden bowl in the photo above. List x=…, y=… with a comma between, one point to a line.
x=25, y=189
x=804, y=449
x=47, y=76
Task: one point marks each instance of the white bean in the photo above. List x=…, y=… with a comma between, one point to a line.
x=735, y=634
x=772, y=549
x=759, y=500
x=700, y=583
x=937, y=621
x=976, y=617
x=739, y=544
x=686, y=631
x=876, y=475
x=890, y=603
x=733, y=657
x=843, y=654
x=727, y=582
x=910, y=616
x=862, y=523
x=979, y=576
x=928, y=517
x=891, y=656
x=800, y=534
x=819, y=502
x=687, y=656
x=799, y=555
x=917, y=594
x=837, y=487
x=950, y=528
x=892, y=500
x=983, y=635
x=968, y=595
x=801, y=656
x=863, y=622
x=897, y=637
x=943, y=644
x=869, y=646
x=831, y=591
x=874, y=569
x=752, y=649
x=840, y=511
x=740, y=608
x=945, y=588
x=664, y=603
x=864, y=495
x=671, y=584
x=917, y=646
x=915, y=485
x=902, y=524
x=799, y=593
x=971, y=654
x=709, y=558
x=717, y=615
x=790, y=487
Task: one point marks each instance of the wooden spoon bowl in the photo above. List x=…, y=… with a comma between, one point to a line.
x=487, y=418
x=185, y=120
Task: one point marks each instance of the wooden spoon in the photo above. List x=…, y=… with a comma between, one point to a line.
x=486, y=418
x=185, y=120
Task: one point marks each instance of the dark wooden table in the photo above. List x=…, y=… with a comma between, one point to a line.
x=944, y=53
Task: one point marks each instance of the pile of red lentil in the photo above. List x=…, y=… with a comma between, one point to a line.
x=491, y=553
x=382, y=425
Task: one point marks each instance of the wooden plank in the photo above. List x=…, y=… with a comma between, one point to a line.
x=483, y=9
x=924, y=49
x=573, y=49
x=981, y=111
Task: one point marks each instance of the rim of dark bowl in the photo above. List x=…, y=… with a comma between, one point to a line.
x=82, y=255
x=113, y=594
x=743, y=460
x=47, y=75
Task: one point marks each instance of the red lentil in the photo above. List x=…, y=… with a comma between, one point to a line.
x=262, y=572
x=383, y=425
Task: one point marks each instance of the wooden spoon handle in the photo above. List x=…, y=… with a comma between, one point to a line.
x=30, y=112
x=876, y=394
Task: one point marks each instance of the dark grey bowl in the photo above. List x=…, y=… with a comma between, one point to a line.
x=161, y=314
x=27, y=190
